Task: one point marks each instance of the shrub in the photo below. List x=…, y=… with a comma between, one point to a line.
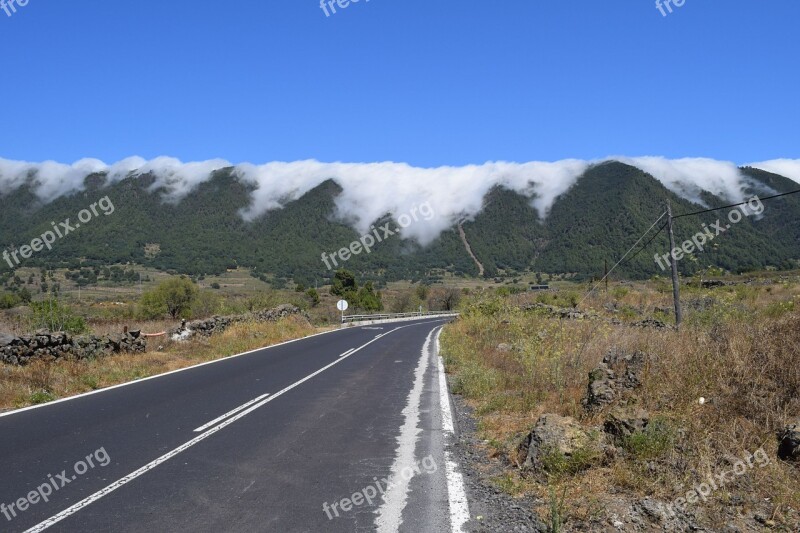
x=54, y=316
x=778, y=309
x=620, y=292
x=557, y=464
x=40, y=397
x=313, y=297
x=656, y=440
x=8, y=300
x=207, y=303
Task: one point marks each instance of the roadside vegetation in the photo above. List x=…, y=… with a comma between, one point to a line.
x=716, y=391
x=105, y=301
x=41, y=382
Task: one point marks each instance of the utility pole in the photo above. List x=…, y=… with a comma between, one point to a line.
x=676, y=291
x=605, y=273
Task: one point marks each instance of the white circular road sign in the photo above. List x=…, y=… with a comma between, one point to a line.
x=342, y=305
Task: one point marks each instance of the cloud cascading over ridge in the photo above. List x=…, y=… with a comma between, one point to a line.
x=789, y=168
x=688, y=177
x=371, y=190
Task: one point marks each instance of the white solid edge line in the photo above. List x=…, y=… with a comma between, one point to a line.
x=230, y=413
x=456, y=493
x=444, y=398
x=146, y=468
x=390, y=514
x=112, y=387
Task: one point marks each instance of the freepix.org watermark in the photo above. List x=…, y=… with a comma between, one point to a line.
x=59, y=231
x=368, y=241
x=10, y=6
x=329, y=6
x=55, y=483
x=666, y=6
x=754, y=206
x=714, y=482
x=371, y=492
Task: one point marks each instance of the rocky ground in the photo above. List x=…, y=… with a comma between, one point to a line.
x=495, y=511
x=492, y=509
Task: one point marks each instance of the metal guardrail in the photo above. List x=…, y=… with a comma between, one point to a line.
x=390, y=316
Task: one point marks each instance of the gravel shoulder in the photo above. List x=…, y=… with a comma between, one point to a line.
x=492, y=510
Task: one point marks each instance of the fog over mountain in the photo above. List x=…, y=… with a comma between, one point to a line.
x=371, y=190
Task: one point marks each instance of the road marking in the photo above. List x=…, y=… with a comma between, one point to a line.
x=390, y=513
x=150, y=466
x=348, y=352
x=444, y=398
x=230, y=413
x=133, y=475
x=215, y=361
x=456, y=494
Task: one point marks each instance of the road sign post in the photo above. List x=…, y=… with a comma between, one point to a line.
x=342, y=306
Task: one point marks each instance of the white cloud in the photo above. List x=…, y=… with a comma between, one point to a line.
x=789, y=168
x=371, y=190
x=688, y=177
x=50, y=179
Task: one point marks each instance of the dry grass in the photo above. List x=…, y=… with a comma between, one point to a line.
x=740, y=349
x=41, y=382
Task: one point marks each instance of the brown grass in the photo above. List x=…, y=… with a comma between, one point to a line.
x=741, y=353
x=41, y=382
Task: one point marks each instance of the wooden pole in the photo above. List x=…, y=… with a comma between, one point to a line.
x=676, y=292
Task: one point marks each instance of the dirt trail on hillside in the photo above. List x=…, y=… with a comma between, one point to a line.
x=469, y=249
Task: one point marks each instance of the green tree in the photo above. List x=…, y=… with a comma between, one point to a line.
x=422, y=291
x=368, y=299
x=25, y=295
x=344, y=282
x=173, y=296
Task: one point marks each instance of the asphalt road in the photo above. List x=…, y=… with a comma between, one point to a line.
x=320, y=434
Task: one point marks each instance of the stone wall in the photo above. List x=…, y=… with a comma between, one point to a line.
x=49, y=346
x=218, y=324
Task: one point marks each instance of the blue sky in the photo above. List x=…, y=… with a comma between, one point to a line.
x=446, y=82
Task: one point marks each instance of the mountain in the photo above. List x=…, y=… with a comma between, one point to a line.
x=596, y=220
x=604, y=214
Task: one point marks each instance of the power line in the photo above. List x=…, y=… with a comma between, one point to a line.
x=599, y=322
x=697, y=213
x=623, y=258
x=735, y=205
x=623, y=261
x=656, y=234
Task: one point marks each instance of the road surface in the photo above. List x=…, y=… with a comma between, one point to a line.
x=344, y=431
